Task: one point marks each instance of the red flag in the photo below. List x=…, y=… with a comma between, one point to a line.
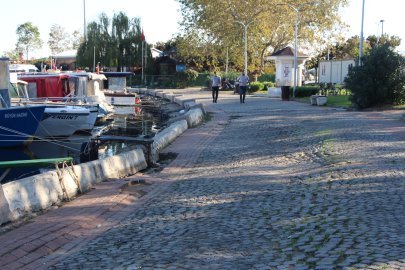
x=143, y=37
x=98, y=68
x=54, y=65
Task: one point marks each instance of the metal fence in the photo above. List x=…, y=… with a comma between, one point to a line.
x=330, y=89
x=152, y=81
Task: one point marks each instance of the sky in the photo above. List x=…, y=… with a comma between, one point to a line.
x=160, y=18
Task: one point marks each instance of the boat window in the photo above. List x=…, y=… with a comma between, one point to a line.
x=32, y=89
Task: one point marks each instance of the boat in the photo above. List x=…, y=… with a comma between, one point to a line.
x=60, y=121
x=115, y=89
x=64, y=114
x=18, y=125
x=91, y=90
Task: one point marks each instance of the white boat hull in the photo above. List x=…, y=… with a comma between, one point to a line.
x=120, y=98
x=61, y=121
x=88, y=126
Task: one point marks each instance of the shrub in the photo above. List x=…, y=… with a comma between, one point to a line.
x=379, y=80
x=255, y=86
x=233, y=74
x=167, y=83
x=267, y=78
x=184, y=76
x=208, y=81
x=268, y=84
x=304, y=91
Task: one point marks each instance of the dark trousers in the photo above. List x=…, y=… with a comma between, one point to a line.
x=242, y=93
x=215, y=90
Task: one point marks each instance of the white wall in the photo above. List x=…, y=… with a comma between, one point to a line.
x=334, y=71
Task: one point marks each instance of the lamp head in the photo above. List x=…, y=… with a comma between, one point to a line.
x=382, y=21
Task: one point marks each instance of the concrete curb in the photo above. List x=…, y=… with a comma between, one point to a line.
x=168, y=135
x=41, y=191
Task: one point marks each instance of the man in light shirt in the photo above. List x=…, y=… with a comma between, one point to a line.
x=215, y=84
x=243, y=81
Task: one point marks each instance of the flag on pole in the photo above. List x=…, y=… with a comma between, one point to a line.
x=98, y=68
x=143, y=37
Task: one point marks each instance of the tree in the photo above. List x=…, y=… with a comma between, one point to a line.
x=28, y=37
x=208, y=29
x=13, y=54
x=77, y=39
x=58, y=39
x=117, y=42
x=185, y=76
x=165, y=46
x=379, y=80
x=393, y=42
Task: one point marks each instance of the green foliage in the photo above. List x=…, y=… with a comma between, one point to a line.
x=393, y=42
x=168, y=83
x=267, y=78
x=268, y=84
x=255, y=86
x=165, y=46
x=379, y=80
x=28, y=37
x=233, y=74
x=59, y=39
x=304, y=91
x=117, y=43
x=200, y=81
x=184, y=76
x=208, y=81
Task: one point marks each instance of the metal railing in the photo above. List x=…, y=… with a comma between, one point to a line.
x=151, y=81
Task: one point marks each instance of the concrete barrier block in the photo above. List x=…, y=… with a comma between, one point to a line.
x=192, y=117
x=5, y=213
x=41, y=191
x=197, y=105
x=157, y=91
x=174, y=96
x=160, y=94
x=133, y=90
x=151, y=93
x=195, y=116
x=167, y=95
x=182, y=101
x=33, y=193
x=168, y=135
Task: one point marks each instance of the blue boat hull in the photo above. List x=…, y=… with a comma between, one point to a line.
x=19, y=124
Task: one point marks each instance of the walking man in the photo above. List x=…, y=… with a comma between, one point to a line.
x=243, y=81
x=215, y=84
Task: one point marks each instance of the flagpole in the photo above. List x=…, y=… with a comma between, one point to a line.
x=145, y=61
x=142, y=55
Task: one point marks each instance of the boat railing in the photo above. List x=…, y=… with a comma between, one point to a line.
x=71, y=101
x=5, y=104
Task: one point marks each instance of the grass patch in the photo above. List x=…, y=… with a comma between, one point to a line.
x=208, y=116
x=166, y=99
x=29, y=218
x=334, y=100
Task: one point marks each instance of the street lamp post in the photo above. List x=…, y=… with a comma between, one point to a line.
x=382, y=27
x=245, y=40
x=361, y=35
x=295, y=48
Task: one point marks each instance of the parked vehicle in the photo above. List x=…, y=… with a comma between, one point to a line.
x=23, y=68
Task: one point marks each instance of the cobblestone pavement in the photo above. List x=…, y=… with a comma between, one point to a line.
x=269, y=185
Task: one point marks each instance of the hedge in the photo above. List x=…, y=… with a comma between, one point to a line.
x=304, y=91
x=267, y=78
